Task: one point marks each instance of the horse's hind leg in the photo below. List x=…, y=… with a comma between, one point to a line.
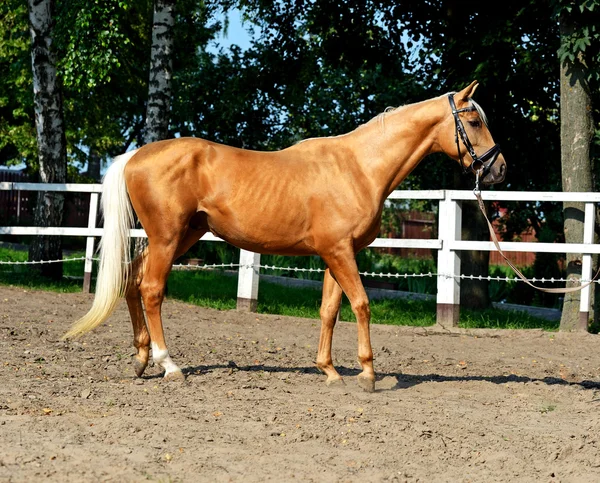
x=141, y=337
x=330, y=306
x=161, y=255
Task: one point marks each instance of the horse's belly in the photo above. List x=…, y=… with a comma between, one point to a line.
x=262, y=236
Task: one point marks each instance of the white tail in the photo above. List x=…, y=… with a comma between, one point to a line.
x=114, y=248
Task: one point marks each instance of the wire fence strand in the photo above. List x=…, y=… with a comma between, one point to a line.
x=188, y=267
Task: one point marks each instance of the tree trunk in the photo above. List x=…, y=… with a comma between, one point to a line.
x=474, y=294
x=159, y=85
x=576, y=131
x=94, y=165
x=161, y=69
x=50, y=135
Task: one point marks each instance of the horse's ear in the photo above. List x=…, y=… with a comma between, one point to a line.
x=467, y=92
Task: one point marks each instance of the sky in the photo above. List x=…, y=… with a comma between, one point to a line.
x=236, y=34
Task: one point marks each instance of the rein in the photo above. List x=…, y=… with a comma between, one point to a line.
x=477, y=194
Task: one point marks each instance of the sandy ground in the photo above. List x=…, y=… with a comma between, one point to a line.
x=469, y=406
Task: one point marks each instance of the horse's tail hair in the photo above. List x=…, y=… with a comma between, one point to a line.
x=115, y=255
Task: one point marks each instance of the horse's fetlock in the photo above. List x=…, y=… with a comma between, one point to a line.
x=141, y=341
x=324, y=364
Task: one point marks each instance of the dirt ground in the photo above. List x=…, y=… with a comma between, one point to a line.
x=468, y=406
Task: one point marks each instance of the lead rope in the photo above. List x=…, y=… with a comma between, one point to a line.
x=477, y=194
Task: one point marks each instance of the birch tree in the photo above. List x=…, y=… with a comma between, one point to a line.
x=50, y=134
x=161, y=72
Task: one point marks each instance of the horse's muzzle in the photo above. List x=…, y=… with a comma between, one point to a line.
x=497, y=172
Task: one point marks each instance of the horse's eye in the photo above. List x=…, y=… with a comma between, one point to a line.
x=475, y=123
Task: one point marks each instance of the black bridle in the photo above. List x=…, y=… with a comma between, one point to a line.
x=481, y=165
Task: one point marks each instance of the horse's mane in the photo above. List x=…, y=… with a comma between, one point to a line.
x=380, y=118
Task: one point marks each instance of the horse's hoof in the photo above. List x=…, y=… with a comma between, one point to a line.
x=139, y=367
x=366, y=382
x=175, y=376
x=335, y=382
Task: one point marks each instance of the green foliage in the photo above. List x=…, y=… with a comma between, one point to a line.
x=580, y=39
x=503, y=319
x=211, y=289
x=91, y=39
x=103, y=48
x=372, y=260
x=579, y=52
x=313, y=69
x=17, y=131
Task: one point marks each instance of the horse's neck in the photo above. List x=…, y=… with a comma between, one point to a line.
x=391, y=146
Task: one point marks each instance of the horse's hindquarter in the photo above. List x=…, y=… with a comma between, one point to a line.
x=294, y=201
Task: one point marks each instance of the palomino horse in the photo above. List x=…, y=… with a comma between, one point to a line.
x=321, y=196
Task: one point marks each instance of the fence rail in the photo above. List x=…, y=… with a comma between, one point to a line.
x=448, y=244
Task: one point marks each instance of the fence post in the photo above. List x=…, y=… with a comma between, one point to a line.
x=448, y=286
x=586, y=267
x=89, y=245
x=247, y=295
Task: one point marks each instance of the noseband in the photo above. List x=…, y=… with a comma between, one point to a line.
x=481, y=165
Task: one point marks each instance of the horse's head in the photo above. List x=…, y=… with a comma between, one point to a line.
x=465, y=137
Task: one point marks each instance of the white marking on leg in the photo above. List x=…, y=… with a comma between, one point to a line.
x=162, y=357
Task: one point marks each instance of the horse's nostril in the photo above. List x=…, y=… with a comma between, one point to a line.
x=502, y=169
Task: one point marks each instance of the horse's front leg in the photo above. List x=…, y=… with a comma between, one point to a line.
x=341, y=261
x=330, y=306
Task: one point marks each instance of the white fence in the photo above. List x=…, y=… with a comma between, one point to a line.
x=448, y=243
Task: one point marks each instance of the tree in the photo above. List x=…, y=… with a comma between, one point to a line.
x=578, y=30
x=473, y=294
x=17, y=128
x=102, y=47
x=50, y=134
x=161, y=72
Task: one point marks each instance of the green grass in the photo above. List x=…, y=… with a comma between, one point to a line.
x=212, y=289
x=503, y=319
x=27, y=277
x=219, y=291
x=207, y=289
